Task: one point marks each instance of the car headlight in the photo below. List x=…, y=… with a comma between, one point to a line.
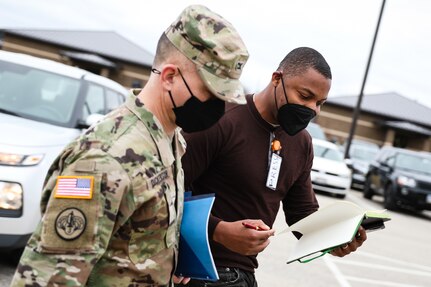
x=19, y=159
x=406, y=181
x=10, y=196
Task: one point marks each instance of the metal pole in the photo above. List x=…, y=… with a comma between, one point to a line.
x=361, y=94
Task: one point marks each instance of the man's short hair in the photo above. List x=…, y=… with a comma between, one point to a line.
x=299, y=60
x=165, y=50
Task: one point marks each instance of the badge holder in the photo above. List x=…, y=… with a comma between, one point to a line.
x=274, y=163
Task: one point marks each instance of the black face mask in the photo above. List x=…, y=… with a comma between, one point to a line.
x=293, y=118
x=195, y=115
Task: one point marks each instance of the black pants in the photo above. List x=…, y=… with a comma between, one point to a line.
x=227, y=277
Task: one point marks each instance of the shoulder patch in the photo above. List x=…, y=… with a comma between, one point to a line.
x=70, y=223
x=77, y=187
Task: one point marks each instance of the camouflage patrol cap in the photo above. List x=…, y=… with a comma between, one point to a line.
x=213, y=44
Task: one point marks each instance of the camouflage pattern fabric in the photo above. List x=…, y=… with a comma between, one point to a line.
x=127, y=233
x=213, y=44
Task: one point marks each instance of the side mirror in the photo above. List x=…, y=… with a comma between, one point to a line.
x=386, y=167
x=93, y=118
x=348, y=162
x=90, y=120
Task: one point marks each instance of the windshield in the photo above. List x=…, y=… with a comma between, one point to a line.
x=36, y=94
x=363, y=153
x=413, y=163
x=327, y=153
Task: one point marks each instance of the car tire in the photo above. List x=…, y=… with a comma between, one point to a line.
x=15, y=255
x=389, y=200
x=368, y=191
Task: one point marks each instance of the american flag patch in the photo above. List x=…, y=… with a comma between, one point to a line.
x=79, y=187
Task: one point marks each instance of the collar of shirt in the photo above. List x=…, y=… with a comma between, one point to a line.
x=154, y=127
x=262, y=122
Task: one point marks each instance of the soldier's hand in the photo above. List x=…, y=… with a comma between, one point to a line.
x=246, y=237
x=180, y=280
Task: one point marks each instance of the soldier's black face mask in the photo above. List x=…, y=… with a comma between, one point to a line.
x=293, y=118
x=195, y=115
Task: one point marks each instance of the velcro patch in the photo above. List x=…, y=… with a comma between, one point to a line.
x=77, y=187
x=70, y=223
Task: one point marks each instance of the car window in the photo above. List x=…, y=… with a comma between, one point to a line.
x=413, y=163
x=94, y=101
x=362, y=153
x=37, y=94
x=113, y=100
x=328, y=153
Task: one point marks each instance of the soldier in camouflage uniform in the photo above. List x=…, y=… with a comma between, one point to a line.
x=112, y=201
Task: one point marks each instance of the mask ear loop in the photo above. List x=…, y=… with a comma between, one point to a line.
x=275, y=98
x=172, y=99
x=284, y=89
x=187, y=86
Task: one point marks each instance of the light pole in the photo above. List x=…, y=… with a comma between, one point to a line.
x=361, y=94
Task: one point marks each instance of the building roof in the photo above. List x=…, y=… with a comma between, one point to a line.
x=406, y=126
x=89, y=57
x=390, y=105
x=104, y=43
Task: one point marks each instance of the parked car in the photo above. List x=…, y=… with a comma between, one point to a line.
x=402, y=177
x=44, y=105
x=316, y=131
x=361, y=153
x=329, y=172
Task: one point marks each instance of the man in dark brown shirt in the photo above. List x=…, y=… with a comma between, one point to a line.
x=255, y=157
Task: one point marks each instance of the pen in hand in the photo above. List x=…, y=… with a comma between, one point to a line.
x=249, y=226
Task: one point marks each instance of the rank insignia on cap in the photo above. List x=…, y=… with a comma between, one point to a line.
x=70, y=223
x=78, y=187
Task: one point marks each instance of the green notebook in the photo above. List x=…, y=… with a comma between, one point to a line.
x=330, y=227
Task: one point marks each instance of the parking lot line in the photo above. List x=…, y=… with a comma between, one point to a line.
x=337, y=273
x=412, y=265
x=415, y=269
x=380, y=282
x=383, y=267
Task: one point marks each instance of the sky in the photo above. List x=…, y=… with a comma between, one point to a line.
x=341, y=30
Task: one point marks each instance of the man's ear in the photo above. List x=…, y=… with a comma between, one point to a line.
x=167, y=76
x=276, y=78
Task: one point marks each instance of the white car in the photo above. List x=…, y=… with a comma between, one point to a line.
x=316, y=131
x=329, y=172
x=44, y=105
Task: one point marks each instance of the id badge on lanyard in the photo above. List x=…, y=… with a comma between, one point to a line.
x=275, y=164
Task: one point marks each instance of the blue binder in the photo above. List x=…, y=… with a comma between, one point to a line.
x=194, y=258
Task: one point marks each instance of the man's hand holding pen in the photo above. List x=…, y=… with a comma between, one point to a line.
x=246, y=237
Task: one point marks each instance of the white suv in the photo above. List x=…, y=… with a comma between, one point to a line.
x=44, y=105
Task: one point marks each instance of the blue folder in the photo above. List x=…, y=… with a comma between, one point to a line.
x=194, y=258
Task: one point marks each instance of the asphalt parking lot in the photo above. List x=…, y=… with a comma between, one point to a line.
x=397, y=256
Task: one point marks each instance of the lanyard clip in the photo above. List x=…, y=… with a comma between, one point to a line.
x=275, y=146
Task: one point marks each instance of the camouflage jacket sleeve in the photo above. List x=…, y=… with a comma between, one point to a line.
x=79, y=218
